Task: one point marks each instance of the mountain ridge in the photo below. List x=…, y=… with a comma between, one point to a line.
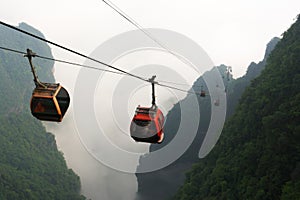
x=31, y=167
x=172, y=176
x=257, y=155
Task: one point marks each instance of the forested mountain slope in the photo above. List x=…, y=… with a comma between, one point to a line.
x=258, y=154
x=31, y=167
x=164, y=183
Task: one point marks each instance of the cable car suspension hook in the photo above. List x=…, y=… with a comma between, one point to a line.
x=151, y=80
x=37, y=82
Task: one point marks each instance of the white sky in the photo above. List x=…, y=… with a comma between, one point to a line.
x=232, y=32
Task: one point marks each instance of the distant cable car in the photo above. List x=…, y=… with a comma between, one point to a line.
x=147, y=123
x=217, y=102
x=202, y=92
x=49, y=101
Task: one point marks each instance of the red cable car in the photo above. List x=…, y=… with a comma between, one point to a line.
x=49, y=101
x=147, y=123
x=202, y=92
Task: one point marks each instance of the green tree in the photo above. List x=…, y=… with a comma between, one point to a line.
x=258, y=154
x=31, y=167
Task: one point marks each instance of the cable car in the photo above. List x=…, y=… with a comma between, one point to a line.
x=217, y=102
x=49, y=101
x=147, y=123
x=202, y=92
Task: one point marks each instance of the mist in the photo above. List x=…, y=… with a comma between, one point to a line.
x=94, y=135
x=97, y=180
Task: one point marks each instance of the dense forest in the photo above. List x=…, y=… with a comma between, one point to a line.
x=258, y=153
x=31, y=167
x=164, y=183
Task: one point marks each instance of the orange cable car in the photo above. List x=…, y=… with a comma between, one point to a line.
x=49, y=101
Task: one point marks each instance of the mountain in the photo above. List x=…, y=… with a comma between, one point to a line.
x=164, y=183
x=238, y=86
x=258, y=153
x=31, y=167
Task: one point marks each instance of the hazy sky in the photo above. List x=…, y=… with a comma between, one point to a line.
x=231, y=32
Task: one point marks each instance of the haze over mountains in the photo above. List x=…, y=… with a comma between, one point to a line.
x=257, y=156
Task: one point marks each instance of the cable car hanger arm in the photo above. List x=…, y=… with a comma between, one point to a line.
x=37, y=82
x=151, y=80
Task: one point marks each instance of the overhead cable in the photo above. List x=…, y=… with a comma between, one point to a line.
x=87, y=57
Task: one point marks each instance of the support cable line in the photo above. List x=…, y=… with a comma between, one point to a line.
x=118, y=71
x=147, y=33
x=13, y=50
x=175, y=88
x=81, y=65
x=183, y=84
x=70, y=50
x=63, y=61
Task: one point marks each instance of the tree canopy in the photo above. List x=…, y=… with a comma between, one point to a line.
x=258, y=154
x=31, y=167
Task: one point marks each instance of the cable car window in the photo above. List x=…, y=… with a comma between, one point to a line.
x=142, y=128
x=161, y=119
x=142, y=122
x=63, y=100
x=62, y=94
x=63, y=104
x=42, y=105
